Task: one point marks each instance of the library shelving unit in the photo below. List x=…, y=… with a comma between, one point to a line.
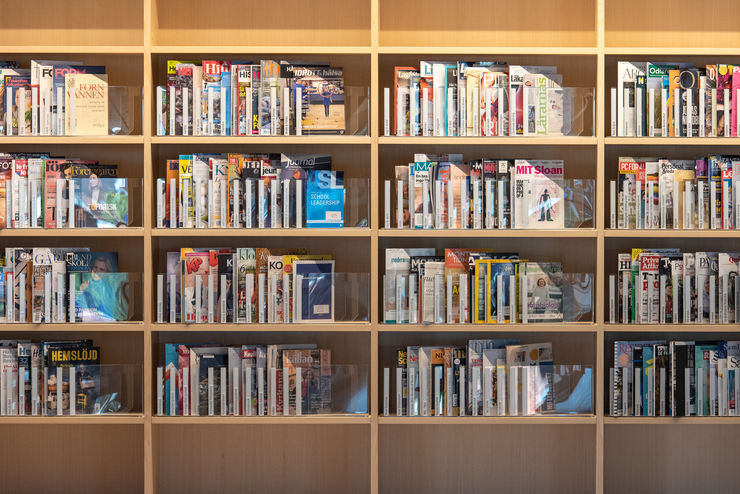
x=371, y=453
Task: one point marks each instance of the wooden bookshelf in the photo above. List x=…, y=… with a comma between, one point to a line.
x=371, y=453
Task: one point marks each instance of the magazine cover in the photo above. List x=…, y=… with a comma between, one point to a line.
x=315, y=382
x=474, y=356
x=422, y=173
x=209, y=358
x=216, y=76
x=101, y=202
x=401, y=175
x=322, y=104
x=21, y=123
x=246, y=264
x=504, y=269
x=728, y=269
x=538, y=194
x=706, y=266
x=398, y=263
x=544, y=294
x=86, y=360
x=88, y=115
x=194, y=264
x=102, y=297
x=325, y=198
x=316, y=292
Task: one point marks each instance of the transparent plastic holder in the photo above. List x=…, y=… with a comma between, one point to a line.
x=125, y=104
x=490, y=391
x=96, y=203
x=562, y=297
x=324, y=298
x=666, y=302
x=105, y=297
x=102, y=202
x=574, y=210
x=328, y=390
x=320, y=115
x=571, y=112
x=691, y=392
x=86, y=390
x=248, y=213
x=98, y=297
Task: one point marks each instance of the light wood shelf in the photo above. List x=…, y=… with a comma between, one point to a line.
x=78, y=326
x=672, y=328
x=261, y=232
x=669, y=233
x=489, y=141
x=672, y=141
x=585, y=37
x=349, y=327
x=627, y=421
x=106, y=49
x=492, y=233
x=683, y=51
x=262, y=140
x=267, y=420
x=264, y=49
x=67, y=420
x=72, y=140
x=576, y=327
x=487, y=50
x=132, y=231
x=555, y=420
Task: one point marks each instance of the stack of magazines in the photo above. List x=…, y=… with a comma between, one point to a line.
x=675, y=378
x=269, y=98
x=246, y=285
x=247, y=380
x=51, y=378
x=653, y=193
x=498, y=377
x=53, y=97
x=478, y=99
x=251, y=191
x=479, y=286
x=40, y=191
x=63, y=284
x=666, y=286
x=675, y=99
x=444, y=192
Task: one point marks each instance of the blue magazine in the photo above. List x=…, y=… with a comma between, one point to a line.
x=316, y=290
x=325, y=197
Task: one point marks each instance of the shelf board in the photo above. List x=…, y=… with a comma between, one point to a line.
x=338, y=139
x=671, y=420
x=672, y=141
x=107, y=49
x=469, y=420
x=578, y=327
x=492, y=233
x=109, y=327
x=350, y=327
x=256, y=49
x=492, y=141
x=672, y=328
x=659, y=50
x=281, y=420
x=122, y=418
x=261, y=232
x=71, y=140
x=670, y=233
x=134, y=231
x=488, y=50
